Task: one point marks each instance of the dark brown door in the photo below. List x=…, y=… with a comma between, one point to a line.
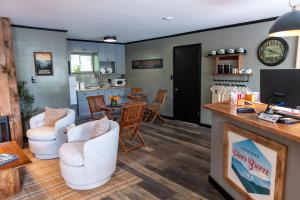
x=186, y=83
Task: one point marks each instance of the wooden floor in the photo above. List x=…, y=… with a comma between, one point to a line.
x=174, y=165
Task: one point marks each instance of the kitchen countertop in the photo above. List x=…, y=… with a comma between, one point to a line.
x=104, y=88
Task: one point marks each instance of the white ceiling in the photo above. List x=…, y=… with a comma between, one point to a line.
x=132, y=20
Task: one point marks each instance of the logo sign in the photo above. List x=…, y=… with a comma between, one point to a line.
x=250, y=164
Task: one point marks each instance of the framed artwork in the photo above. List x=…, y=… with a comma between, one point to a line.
x=253, y=165
x=43, y=63
x=147, y=64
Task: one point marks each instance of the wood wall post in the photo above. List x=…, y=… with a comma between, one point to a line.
x=9, y=98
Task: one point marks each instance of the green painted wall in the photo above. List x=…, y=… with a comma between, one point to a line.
x=249, y=37
x=48, y=90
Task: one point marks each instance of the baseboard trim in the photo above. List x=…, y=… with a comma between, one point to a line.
x=218, y=187
x=205, y=125
x=167, y=117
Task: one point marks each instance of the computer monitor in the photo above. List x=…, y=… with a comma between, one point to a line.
x=285, y=82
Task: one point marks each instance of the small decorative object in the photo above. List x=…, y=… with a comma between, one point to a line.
x=109, y=70
x=102, y=70
x=221, y=52
x=147, y=64
x=272, y=51
x=43, y=63
x=248, y=71
x=114, y=100
x=241, y=51
x=230, y=51
x=212, y=53
x=253, y=165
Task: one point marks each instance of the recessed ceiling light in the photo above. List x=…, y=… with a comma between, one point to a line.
x=167, y=18
x=110, y=39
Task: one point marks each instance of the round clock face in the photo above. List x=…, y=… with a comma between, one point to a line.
x=272, y=51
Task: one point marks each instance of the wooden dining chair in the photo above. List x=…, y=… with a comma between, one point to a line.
x=136, y=90
x=153, y=110
x=95, y=103
x=130, y=137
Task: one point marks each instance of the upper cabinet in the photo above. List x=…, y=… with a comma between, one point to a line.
x=120, y=56
x=83, y=47
x=107, y=52
x=109, y=55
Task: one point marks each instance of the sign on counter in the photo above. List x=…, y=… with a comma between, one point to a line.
x=254, y=165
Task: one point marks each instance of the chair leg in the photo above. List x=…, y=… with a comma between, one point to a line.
x=123, y=146
x=153, y=119
x=147, y=116
x=161, y=118
x=141, y=138
x=134, y=147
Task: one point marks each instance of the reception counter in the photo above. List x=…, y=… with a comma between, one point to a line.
x=252, y=158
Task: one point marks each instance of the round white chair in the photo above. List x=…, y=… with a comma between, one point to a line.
x=44, y=142
x=89, y=163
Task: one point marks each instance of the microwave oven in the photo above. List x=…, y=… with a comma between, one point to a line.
x=118, y=82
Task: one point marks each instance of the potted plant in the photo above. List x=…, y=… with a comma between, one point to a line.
x=114, y=100
x=26, y=105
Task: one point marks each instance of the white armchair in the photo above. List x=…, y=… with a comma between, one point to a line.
x=89, y=163
x=44, y=142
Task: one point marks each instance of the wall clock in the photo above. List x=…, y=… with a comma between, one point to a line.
x=272, y=51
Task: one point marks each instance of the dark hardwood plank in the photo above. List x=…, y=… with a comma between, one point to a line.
x=174, y=165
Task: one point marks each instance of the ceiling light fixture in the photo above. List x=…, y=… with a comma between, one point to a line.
x=110, y=39
x=287, y=24
x=167, y=18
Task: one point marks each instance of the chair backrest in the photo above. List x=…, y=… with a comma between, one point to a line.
x=136, y=90
x=132, y=113
x=160, y=97
x=95, y=102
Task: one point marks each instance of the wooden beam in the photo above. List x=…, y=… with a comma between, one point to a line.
x=5, y=96
x=9, y=81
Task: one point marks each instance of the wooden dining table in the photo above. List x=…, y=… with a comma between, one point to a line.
x=113, y=112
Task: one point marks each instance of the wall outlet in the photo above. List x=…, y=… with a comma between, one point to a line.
x=33, y=79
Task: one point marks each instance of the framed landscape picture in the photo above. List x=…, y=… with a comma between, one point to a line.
x=43, y=63
x=253, y=165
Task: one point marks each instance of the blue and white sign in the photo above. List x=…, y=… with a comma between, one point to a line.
x=251, y=166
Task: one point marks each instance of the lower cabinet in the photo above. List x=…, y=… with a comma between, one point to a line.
x=83, y=107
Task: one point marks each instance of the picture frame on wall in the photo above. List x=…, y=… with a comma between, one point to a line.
x=148, y=64
x=253, y=165
x=43, y=63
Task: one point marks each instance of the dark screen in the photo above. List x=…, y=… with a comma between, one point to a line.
x=286, y=81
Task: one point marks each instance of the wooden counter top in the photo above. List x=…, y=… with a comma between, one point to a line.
x=291, y=132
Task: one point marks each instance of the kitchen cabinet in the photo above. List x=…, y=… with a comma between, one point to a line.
x=83, y=47
x=107, y=52
x=120, y=59
x=83, y=107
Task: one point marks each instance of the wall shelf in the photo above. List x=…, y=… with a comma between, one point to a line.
x=239, y=58
x=231, y=77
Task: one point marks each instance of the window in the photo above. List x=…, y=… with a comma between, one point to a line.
x=81, y=63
